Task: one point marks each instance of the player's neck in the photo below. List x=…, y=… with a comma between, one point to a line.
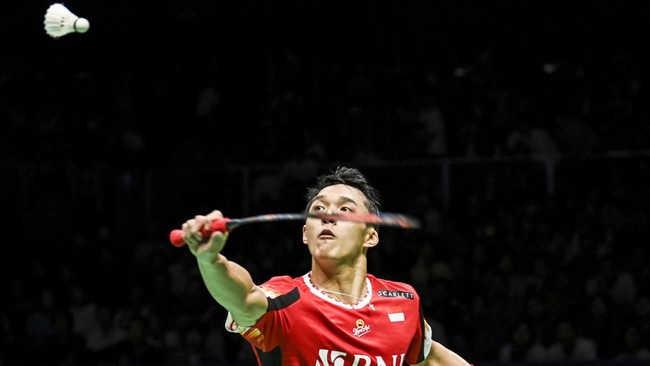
x=347, y=285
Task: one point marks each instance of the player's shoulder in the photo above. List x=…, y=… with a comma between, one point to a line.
x=390, y=288
x=279, y=285
x=280, y=279
x=389, y=283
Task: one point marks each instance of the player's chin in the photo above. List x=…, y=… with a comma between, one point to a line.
x=326, y=243
x=324, y=249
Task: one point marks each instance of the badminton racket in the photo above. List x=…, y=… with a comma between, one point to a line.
x=226, y=224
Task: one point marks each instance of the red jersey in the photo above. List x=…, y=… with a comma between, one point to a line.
x=304, y=326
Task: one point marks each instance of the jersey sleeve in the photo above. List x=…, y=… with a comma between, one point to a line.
x=265, y=333
x=421, y=343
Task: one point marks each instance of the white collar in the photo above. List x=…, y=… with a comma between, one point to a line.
x=323, y=295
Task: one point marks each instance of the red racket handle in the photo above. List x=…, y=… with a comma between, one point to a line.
x=220, y=225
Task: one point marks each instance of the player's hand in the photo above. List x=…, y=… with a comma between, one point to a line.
x=205, y=248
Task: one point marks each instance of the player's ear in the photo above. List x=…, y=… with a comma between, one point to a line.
x=372, y=237
x=304, y=234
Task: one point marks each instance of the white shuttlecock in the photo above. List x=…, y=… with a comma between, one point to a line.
x=60, y=21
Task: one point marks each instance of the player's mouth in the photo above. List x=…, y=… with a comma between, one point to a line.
x=326, y=234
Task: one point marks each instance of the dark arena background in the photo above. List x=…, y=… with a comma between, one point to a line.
x=518, y=132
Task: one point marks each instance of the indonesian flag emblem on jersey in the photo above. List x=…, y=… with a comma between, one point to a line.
x=305, y=326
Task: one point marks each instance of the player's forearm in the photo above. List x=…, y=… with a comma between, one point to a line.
x=232, y=287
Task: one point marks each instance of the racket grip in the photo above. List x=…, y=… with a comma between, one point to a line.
x=220, y=225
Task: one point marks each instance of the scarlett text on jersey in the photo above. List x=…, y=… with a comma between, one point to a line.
x=388, y=293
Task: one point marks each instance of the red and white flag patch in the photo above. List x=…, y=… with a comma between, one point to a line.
x=395, y=314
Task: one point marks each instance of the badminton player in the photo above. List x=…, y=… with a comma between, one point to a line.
x=337, y=314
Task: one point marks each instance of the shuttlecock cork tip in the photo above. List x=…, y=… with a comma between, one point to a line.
x=81, y=25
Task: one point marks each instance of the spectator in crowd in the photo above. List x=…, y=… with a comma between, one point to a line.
x=522, y=346
x=569, y=345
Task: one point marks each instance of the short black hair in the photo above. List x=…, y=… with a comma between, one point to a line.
x=350, y=177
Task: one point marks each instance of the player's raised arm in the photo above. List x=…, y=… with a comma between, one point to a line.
x=229, y=283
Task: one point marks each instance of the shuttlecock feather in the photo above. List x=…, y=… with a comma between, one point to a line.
x=60, y=21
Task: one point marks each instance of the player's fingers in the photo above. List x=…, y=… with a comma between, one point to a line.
x=214, y=215
x=205, y=223
x=198, y=236
x=199, y=226
x=192, y=230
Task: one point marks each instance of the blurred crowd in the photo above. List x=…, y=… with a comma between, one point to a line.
x=512, y=264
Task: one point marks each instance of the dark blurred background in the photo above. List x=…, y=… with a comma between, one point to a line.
x=516, y=131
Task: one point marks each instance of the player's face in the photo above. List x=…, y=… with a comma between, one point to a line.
x=340, y=240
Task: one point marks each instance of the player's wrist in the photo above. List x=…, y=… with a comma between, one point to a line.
x=211, y=259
